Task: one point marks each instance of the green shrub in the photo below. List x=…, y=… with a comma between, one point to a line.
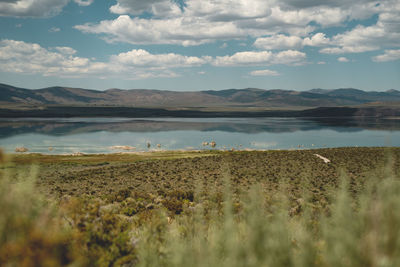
x=30, y=232
x=348, y=223
x=361, y=230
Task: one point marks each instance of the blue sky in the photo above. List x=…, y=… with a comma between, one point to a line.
x=201, y=45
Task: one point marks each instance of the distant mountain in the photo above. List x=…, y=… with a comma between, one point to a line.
x=224, y=98
x=361, y=96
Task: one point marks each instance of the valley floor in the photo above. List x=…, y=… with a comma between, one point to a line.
x=138, y=209
x=106, y=174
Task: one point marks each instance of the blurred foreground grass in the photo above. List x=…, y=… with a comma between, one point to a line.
x=227, y=224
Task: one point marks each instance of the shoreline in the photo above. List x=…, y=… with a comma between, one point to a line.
x=65, y=111
x=183, y=152
x=144, y=152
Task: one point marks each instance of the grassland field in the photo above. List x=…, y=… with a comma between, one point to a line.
x=192, y=208
x=104, y=175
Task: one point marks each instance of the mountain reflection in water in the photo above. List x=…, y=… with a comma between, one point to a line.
x=242, y=125
x=256, y=133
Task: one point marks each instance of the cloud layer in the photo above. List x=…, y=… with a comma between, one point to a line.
x=286, y=24
x=264, y=73
x=275, y=24
x=273, y=32
x=281, y=41
x=389, y=55
x=30, y=58
x=36, y=8
x=31, y=8
x=261, y=58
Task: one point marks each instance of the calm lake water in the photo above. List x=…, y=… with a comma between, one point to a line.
x=99, y=135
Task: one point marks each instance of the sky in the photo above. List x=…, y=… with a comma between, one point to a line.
x=189, y=45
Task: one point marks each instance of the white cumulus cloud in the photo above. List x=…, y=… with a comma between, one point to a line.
x=30, y=58
x=84, y=2
x=181, y=30
x=62, y=61
x=31, y=8
x=164, y=8
x=259, y=58
x=65, y=50
x=264, y=73
x=198, y=22
x=281, y=41
x=276, y=25
x=384, y=33
x=141, y=57
x=54, y=29
x=36, y=8
x=389, y=55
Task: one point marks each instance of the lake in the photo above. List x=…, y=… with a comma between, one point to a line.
x=105, y=135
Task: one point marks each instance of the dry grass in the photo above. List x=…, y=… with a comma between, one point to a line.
x=274, y=208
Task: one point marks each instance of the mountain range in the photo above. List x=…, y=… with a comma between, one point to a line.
x=249, y=97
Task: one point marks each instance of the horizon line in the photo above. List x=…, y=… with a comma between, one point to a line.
x=202, y=90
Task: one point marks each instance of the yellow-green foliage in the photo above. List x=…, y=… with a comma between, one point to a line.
x=104, y=235
x=353, y=221
x=30, y=233
x=358, y=231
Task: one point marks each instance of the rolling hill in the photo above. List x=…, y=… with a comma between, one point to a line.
x=249, y=97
